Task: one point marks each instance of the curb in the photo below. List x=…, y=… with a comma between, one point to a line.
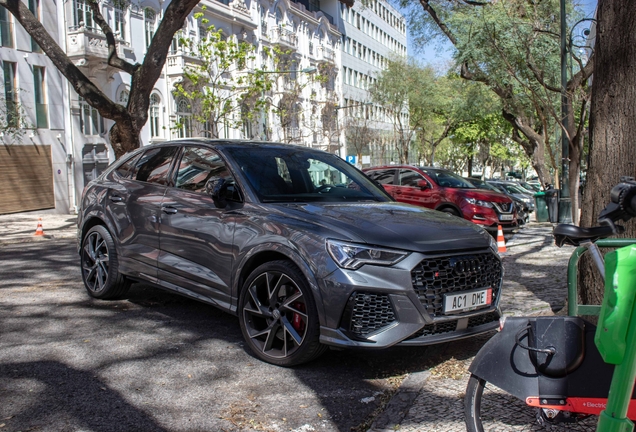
x=32, y=239
x=400, y=403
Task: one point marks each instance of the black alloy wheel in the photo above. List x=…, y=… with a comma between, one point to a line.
x=100, y=265
x=278, y=315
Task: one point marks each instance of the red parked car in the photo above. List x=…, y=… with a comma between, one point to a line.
x=445, y=191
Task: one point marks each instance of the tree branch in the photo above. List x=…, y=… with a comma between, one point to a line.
x=113, y=59
x=82, y=85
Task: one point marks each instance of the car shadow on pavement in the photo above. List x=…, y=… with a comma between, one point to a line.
x=60, y=397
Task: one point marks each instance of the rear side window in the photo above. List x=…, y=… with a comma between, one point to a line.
x=384, y=177
x=154, y=165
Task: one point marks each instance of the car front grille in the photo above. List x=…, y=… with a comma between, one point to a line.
x=434, y=277
x=369, y=312
x=503, y=207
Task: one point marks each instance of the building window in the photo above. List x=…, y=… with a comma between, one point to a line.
x=34, y=7
x=10, y=93
x=176, y=45
x=123, y=97
x=184, y=119
x=155, y=113
x=83, y=15
x=91, y=121
x=150, y=23
x=120, y=23
x=6, y=28
x=41, y=109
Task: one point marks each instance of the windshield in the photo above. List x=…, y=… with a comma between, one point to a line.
x=513, y=189
x=480, y=184
x=448, y=179
x=279, y=174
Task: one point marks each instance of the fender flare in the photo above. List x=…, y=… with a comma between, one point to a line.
x=294, y=257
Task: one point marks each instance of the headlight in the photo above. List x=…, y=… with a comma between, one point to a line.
x=493, y=245
x=353, y=256
x=477, y=202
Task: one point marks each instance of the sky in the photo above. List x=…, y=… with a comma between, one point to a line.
x=440, y=56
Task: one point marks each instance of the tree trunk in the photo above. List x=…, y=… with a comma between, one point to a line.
x=612, y=122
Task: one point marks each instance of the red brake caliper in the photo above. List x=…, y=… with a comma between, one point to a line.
x=297, y=322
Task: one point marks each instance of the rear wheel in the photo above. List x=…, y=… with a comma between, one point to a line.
x=278, y=317
x=488, y=408
x=100, y=266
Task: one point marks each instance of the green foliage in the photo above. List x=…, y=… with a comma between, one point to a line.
x=219, y=84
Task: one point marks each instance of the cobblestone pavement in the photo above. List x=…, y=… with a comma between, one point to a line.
x=535, y=283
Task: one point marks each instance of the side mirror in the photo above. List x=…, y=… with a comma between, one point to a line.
x=216, y=187
x=423, y=184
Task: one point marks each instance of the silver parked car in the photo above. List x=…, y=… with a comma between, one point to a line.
x=302, y=247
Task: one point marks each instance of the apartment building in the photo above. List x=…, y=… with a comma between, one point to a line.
x=34, y=162
x=373, y=33
x=67, y=144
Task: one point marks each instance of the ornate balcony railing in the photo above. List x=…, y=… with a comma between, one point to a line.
x=284, y=37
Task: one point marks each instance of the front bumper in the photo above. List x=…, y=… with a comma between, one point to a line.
x=378, y=307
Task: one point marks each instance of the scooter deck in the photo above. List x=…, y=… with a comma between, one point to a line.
x=591, y=406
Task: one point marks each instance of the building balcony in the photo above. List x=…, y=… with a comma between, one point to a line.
x=326, y=55
x=285, y=38
x=178, y=61
x=86, y=44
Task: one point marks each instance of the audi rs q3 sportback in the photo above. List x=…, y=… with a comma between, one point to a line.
x=305, y=249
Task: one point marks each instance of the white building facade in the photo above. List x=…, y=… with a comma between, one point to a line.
x=75, y=136
x=372, y=33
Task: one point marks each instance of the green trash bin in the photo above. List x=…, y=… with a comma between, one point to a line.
x=541, y=207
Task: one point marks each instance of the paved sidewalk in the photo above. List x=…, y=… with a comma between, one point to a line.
x=20, y=227
x=535, y=283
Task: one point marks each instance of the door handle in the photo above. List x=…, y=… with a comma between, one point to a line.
x=169, y=210
x=116, y=198
x=398, y=192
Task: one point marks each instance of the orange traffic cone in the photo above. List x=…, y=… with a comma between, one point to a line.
x=39, y=231
x=501, y=242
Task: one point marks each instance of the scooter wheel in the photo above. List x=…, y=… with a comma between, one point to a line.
x=472, y=404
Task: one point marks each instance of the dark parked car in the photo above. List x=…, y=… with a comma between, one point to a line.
x=516, y=191
x=445, y=191
x=253, y=229
x=523, y=212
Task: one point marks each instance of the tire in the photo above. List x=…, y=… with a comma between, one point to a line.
x=487, y=408
x=278, y=316
x=472, y=404
x=100, y=266
x=451, y=211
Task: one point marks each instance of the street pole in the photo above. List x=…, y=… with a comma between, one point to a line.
x=565, y=203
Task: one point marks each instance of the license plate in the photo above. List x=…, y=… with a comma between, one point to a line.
x=505, y=217
x=467, y=300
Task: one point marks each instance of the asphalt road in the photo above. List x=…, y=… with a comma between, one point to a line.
x=158, y=362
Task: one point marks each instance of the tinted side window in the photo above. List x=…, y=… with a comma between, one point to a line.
x=410, y=178
x=198, y=165
x=154, y=165
x=125, y=170
x=382, y=176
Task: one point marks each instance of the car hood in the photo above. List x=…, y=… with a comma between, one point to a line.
x=395, y=225
x=485, y=195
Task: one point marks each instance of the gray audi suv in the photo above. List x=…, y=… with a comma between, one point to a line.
x=305, y=249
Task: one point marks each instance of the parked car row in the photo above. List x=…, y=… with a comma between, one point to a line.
x=442, y=190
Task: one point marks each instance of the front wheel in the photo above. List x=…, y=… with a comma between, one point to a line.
x=278, y=317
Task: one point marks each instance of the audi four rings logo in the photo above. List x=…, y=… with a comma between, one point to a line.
x=465, y=266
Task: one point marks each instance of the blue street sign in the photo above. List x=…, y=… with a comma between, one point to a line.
x=352, y=159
